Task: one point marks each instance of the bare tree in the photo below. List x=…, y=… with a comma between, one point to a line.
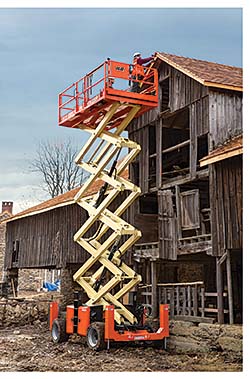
x=55, y=162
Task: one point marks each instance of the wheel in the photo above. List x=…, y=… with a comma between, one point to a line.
x=95, y=336
x=58, y=331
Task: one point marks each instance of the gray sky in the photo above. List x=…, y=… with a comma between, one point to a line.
x=42, y=51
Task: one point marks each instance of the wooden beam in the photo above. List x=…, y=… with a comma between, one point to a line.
x=193, y=141
x=159, y=154
x=216, y=158
x=186, y=179
x=230, y=288
x=222, y=258
x=219, y=283
x=196, y=319
x=179, y=146
x=224, y=86
x=154, y=288
x=180, y=284
x=178, y=211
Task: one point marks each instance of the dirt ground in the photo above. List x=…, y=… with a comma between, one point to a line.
x=29, y=348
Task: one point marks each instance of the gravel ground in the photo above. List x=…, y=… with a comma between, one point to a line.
x=29, y=348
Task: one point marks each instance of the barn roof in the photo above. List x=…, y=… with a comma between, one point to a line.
x=209, y=74
x=61, y=200
x=229, y=149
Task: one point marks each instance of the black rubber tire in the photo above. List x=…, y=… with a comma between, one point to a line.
x=58, y=331
x=95, y=336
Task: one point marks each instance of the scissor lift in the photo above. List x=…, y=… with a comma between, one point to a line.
x=102, y=105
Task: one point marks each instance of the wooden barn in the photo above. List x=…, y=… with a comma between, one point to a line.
x=190, y=210
x=41, y=237
x=190, y=173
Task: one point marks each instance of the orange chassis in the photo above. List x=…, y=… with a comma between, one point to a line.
x=110, y=333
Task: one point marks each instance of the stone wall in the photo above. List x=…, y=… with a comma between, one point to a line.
x=30, y=279
x=186, y=337
x=22, y=312
x=2, y=246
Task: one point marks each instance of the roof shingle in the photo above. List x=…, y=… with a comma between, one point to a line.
x=208, y=73
x=61, y=200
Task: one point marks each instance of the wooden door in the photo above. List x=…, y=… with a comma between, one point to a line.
x=167, y=226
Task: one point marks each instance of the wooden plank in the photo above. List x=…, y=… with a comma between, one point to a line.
x=154, y=288
x=189, y=300
x=159, y=154
x=214, y=294
x=202, y=301
x=214, y=310
x=195, y=299
x=176, y=147
x=13, y=287
x=180, y=284
x=178, y=212
x=193, y=142
x=172, y=302
x=230, y=288
x=183, y=290
x=177, y=289
x=219, y=284
x=195, y=319
x=222, y=156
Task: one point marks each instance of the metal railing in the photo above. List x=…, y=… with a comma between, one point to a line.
x=110, y=77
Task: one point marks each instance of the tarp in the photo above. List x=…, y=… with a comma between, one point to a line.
x=52, y=286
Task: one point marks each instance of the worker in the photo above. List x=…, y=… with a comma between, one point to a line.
x=138, y=71
x=111, y=81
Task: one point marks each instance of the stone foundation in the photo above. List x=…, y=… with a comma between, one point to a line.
x=186, y=337
x=25, y=311
x=30, y=279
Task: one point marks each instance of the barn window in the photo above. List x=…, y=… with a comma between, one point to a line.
x=15, y=251
x=190, y=209
x=148, y=204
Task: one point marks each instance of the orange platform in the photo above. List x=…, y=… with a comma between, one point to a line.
x=89, y=99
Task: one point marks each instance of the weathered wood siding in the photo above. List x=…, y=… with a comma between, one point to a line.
x=190, y=209
x=144, y=119
x=46, y=239
x=183, y=90
x=199, y=116
x=225, y=119
x=226, y=205
x=167, y=226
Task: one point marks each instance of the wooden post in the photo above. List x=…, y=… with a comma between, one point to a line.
x=177, y=300
x=172, y=302
x=159, y=154
x=189, y=300
x=219, y=284
x=195, y=293
x=202, y=301
x=178, y=211
x=193, y=140
x=230, y=288
x=154, y=288
x=13, y=287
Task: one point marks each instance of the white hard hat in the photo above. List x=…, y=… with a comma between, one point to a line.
x=136, y=54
